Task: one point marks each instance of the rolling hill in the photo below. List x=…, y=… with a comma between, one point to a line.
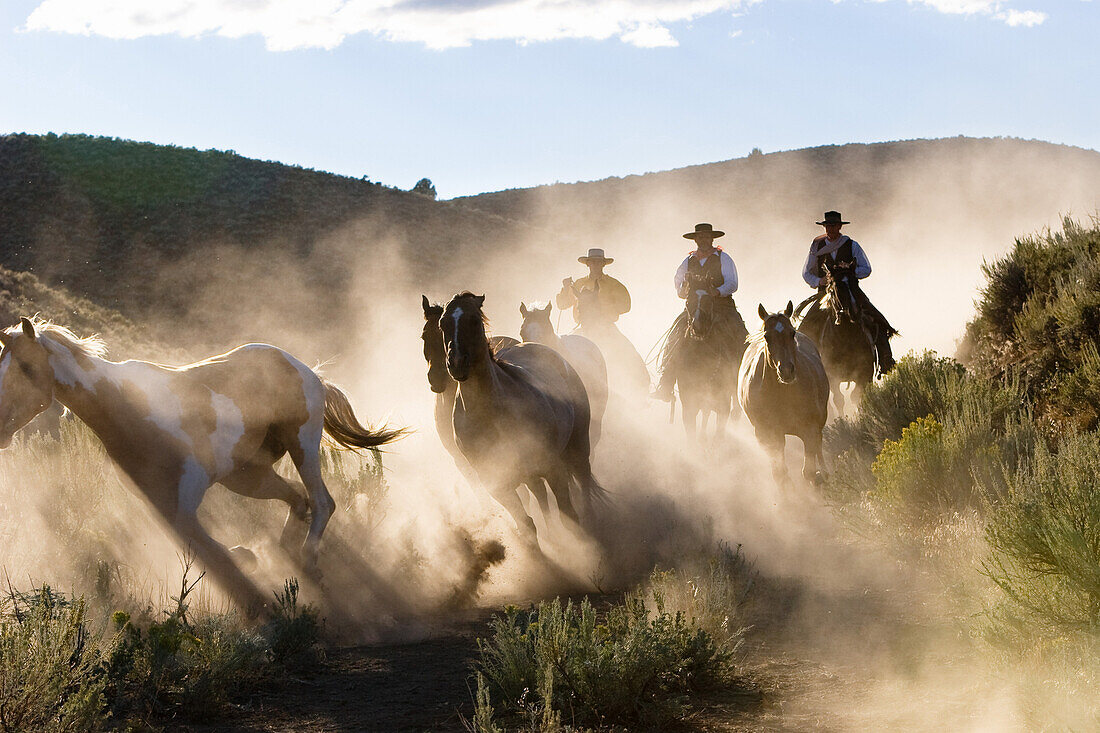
x=217, y=246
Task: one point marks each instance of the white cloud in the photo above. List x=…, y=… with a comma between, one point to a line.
x=1026, y=18
x=290, y=24
x=439, y=24
x=992, y=8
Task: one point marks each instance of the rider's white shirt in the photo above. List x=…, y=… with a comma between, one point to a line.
x=863, y=265
x=729, y=273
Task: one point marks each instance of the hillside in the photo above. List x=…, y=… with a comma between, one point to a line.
x=142, y=228
x=928, y=212
x=219, y=247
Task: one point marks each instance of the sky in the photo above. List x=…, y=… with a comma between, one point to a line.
x=482, y=95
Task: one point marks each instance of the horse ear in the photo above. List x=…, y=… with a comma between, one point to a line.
x=28, y=328
x=790, y=309
x=763, y=312
x=426, y=304
x=523, y=309
x=546, y=310
x=480, y=300
x=5, y=338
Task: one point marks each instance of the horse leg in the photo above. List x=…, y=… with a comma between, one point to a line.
x=857, y=391
x=774, y=442
x=260, y=481
x=838, y=397
x=560, y=482
x=213, y=555
x=812, y=460
x=506, y=493
x=307, y=459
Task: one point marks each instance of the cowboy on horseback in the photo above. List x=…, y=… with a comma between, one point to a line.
x=612, y=295
x=708, y=271
x=837, y=257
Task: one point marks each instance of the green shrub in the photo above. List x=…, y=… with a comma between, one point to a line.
x=293, y=634
x=1045, y=539
x=636, y=665
x=179, y=665
x=1039, y=319
x=918, y=466
x=50, y=679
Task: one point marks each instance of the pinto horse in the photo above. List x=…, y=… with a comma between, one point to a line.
x=176, y=431
x=581, y=353
x=445, y=388
x=784, y=391
x=520, y=416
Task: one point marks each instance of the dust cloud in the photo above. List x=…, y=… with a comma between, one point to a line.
x=397, y=563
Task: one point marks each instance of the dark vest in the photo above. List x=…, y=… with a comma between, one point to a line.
x=708, y=274
x=844, y=254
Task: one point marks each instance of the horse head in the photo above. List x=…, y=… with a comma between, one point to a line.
x=26, y=379
x=699, y=307
x=435, y=353
x=589, y=309
x=536, y=324
x=838, y=296
x=780, y=342
x=463, y=327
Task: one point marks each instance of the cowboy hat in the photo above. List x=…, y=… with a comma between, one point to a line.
x=704, y=229
x=832, y=217
x=595, y=255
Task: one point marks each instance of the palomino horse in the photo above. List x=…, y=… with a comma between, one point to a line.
x=707, y=375
x=783, y=390
x=520, y=416
x=445, y=388
x=625, y=366
x=580, y=352
x=175, y=431
x=846, y=349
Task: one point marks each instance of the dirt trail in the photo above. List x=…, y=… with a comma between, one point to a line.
x=797, y=675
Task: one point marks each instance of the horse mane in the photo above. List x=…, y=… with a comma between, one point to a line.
x=465, y=296
x=755, y=338
x=88, y=346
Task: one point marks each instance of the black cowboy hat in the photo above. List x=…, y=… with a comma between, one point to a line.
x=704, y=229
x=595, y=255
x=833, y=217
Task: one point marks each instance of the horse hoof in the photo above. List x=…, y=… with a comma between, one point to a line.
x=244, y=558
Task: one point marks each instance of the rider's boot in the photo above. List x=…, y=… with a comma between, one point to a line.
x=885, y=355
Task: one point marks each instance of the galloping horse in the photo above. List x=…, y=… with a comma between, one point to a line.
x=625, y=366
x=846, y=348
x=175, y=431
x=783, y=390
x=445, y=388
x=579, y=351
x=520, y=416
x=709, y=361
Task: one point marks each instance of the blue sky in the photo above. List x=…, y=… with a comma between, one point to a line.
x=480, y=95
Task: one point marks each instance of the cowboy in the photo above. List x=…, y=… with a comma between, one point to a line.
x=707, y=269
x=610, y=294
x=842, y=256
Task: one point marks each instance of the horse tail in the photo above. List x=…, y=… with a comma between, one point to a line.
x=344, y=427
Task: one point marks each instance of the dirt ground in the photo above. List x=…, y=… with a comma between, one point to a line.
x=793, y=679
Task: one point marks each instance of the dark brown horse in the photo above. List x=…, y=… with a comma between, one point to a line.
x=520, y=416
x=784, y=391
x=712, y=346
x=841, y=337
x=581, y=353
x=445, y=388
